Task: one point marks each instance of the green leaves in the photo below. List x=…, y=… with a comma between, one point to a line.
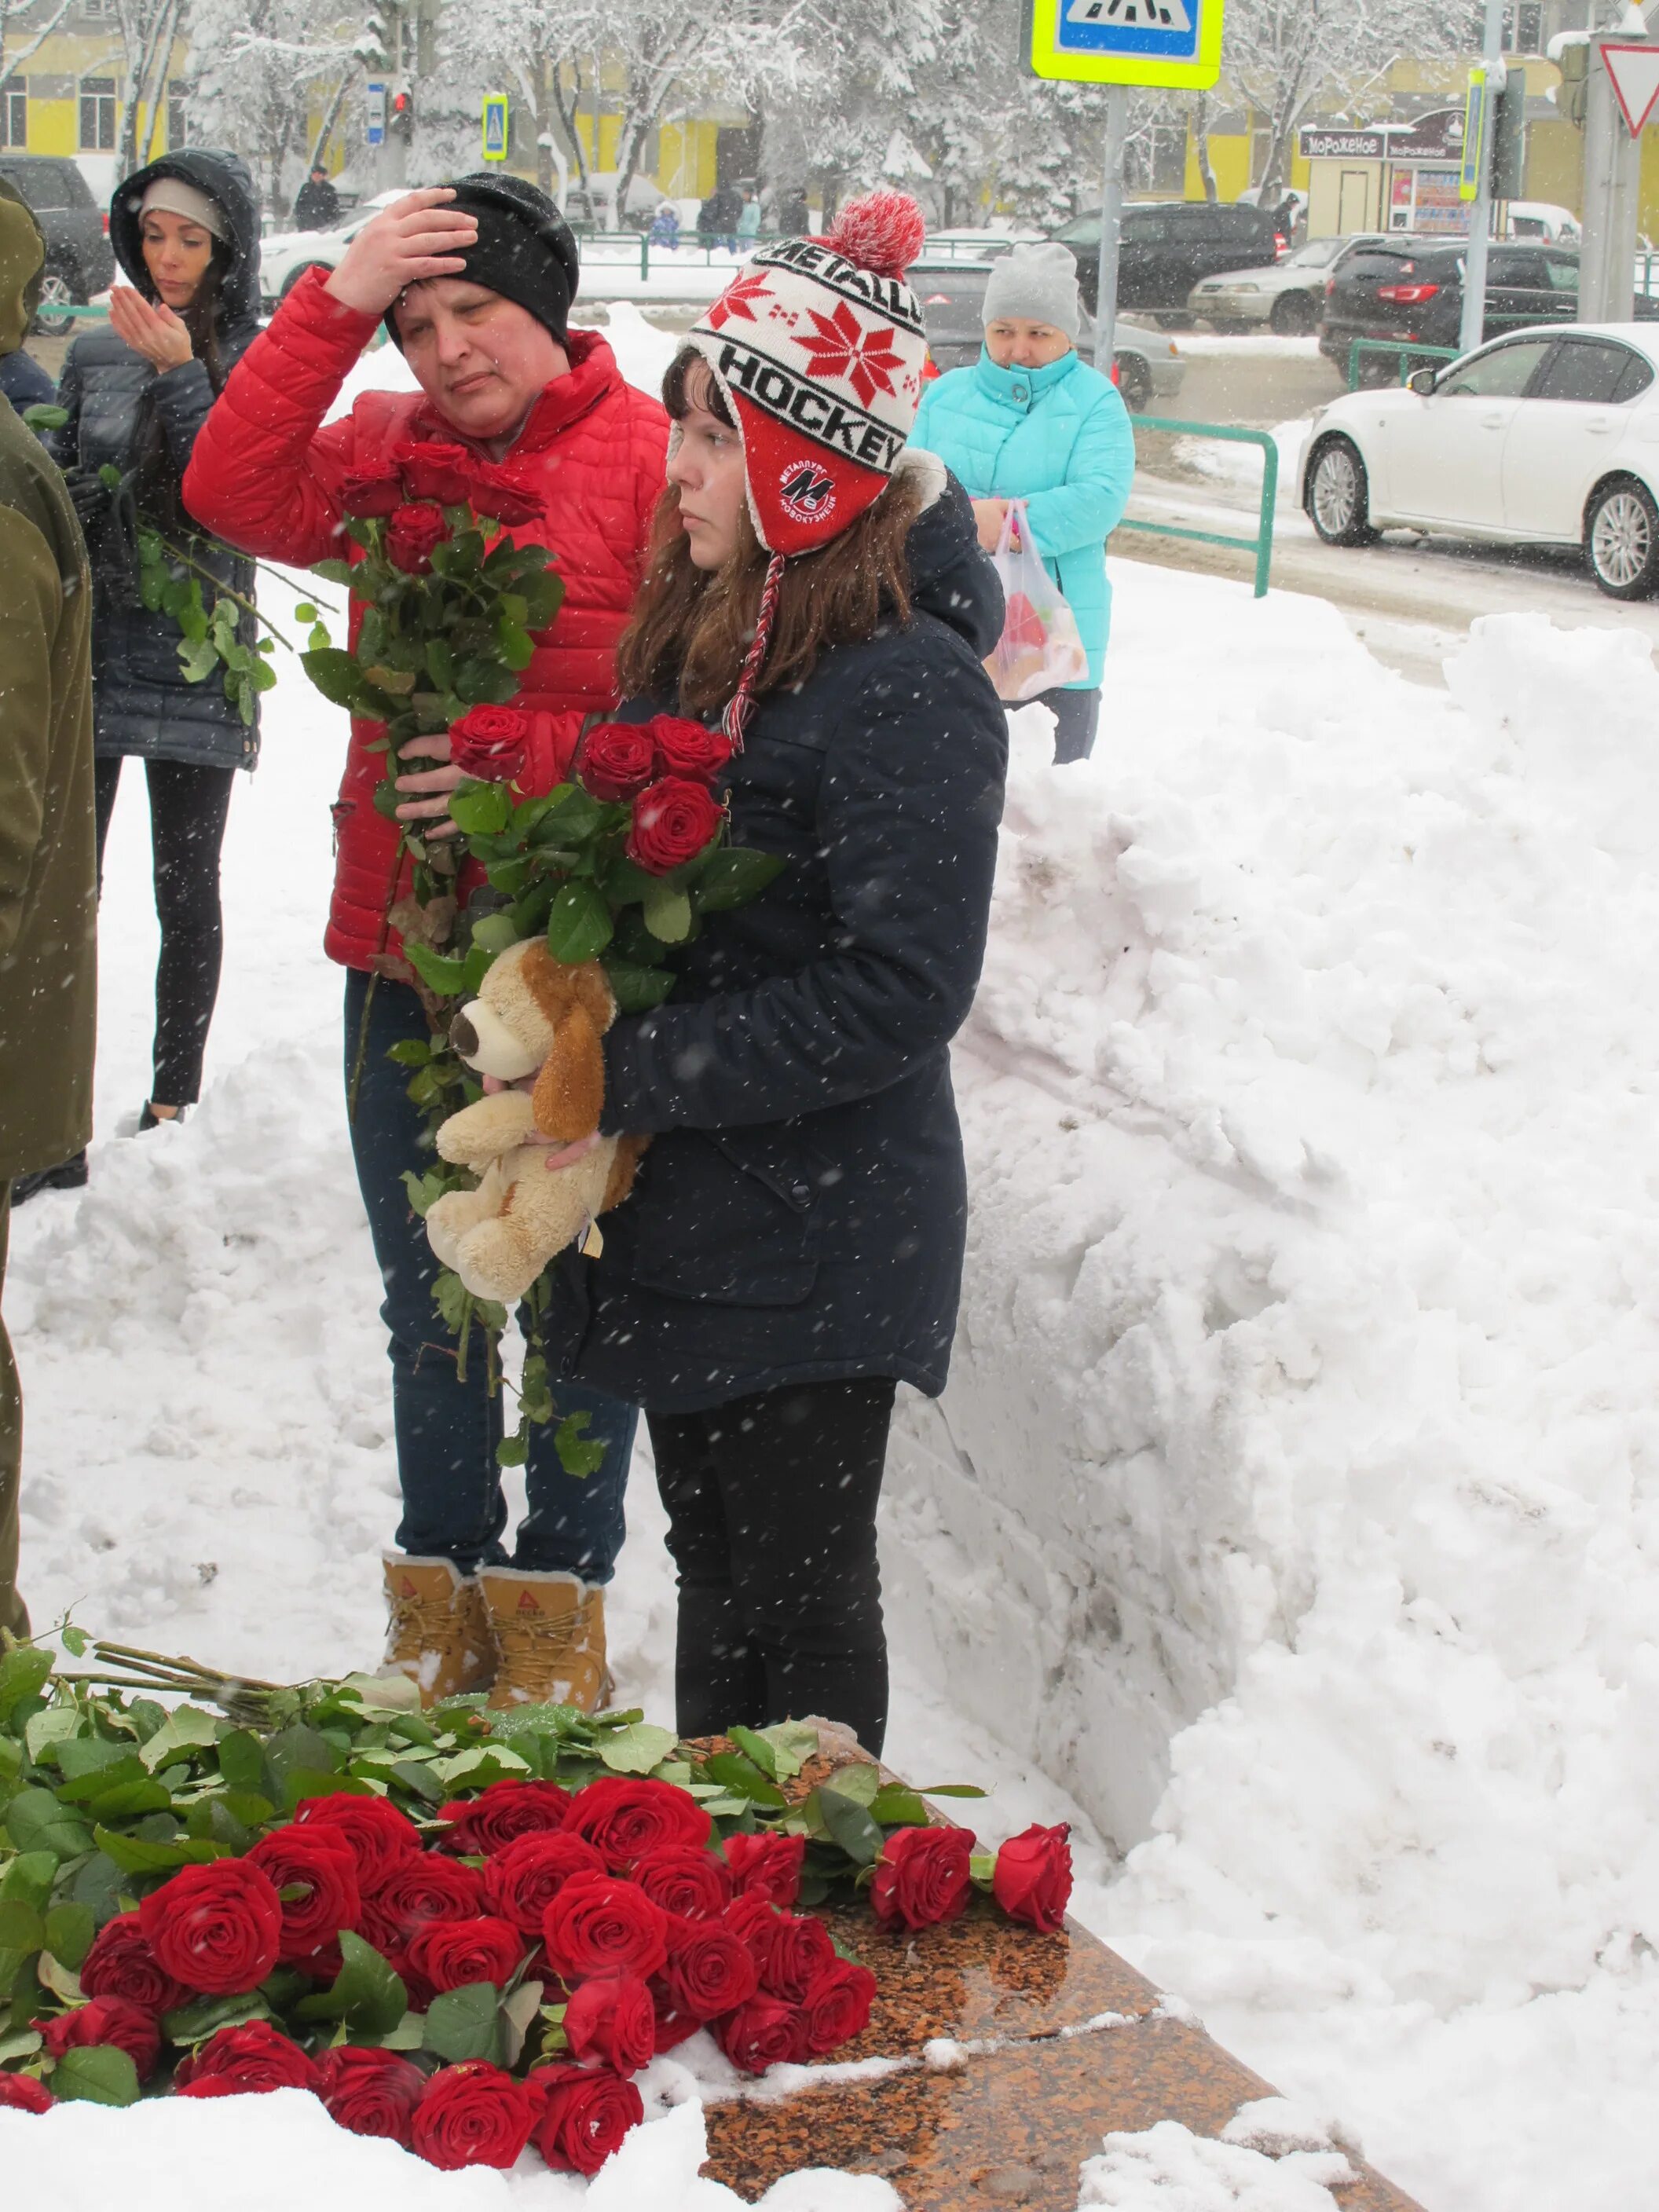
x=35, y=1821
x=578, y=924
x=637, y=988
x=336, y=675
x=667, y=914
x=99, y=2076
x=636, y=1748
x=69, y=1932
x=466, y=2023
x=482, y=810
x=733, y=876
x=366, y=1994
x=437, y=970
x=850, y=1824
x=23, y=1672
x=579, y=1453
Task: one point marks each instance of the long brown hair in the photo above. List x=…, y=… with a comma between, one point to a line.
x=158, y=481
x=690, y=628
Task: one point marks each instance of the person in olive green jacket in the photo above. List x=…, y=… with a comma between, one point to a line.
x=48, y=897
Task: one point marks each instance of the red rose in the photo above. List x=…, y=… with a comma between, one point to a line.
x=674, y=2024
x=326, y=1865
x=615, y=760
x=247, y=2061
x=691, y=1883
x=373, y=2092
x=216, y=1929
x=710, y=1971
x=488, y=743
x=685, y=748
x=752, y=1920
x=378, y=1832
x=585, y=2115
x=506, y=1810
x=412, y=536
x=611, y=2019
x=767, y=1865
x=922, y=1877
x=758, y=2034
x=597, y=1925
x=22, y=2092
x=834, y=2009
x=520, y=1882
x=799, y=1952
x=121, y=1964
x=623, y=1818
x=416, y=1988
x=450, y=1953
x=472, y=2115
x=1033, y=1878
x=674, y=820
x=411, y=1892
x=495, y=495
x=369, y=497
x=433, y=470
x=106, y=2020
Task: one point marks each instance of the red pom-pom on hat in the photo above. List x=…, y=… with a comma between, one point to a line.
x=883, y=232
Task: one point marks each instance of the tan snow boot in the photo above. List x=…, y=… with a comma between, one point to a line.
x=550, y=1634
x=439, y=1632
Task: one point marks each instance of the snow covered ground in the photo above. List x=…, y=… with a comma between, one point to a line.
x=1293, y=1505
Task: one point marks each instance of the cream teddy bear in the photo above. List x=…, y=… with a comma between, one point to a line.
x=534, y=1016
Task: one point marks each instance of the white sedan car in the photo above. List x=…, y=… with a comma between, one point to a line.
x=1546, y=437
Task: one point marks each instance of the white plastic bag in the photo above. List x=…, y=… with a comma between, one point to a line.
x=1040, y=648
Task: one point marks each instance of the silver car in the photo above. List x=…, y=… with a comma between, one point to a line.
x=1286, y=298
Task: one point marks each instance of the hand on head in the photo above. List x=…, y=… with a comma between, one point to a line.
x=416, y=238
x=154, y=331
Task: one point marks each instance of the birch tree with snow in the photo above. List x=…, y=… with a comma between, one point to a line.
x=263, y=69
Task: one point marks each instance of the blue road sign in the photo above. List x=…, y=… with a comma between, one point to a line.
x=1155, y=42
x=374, y=114
x=495, y=127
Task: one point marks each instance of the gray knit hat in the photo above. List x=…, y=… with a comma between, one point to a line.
x=1038, y=284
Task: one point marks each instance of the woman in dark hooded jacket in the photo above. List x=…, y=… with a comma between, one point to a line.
x=186, y=232
x=792, y=1247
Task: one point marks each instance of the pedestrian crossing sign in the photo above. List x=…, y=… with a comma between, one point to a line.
x=495, y=127
x=1155, y=42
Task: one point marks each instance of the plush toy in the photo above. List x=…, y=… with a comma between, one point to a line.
x=500, y=1237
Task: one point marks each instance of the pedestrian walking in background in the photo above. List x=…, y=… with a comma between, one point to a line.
x=749, y=221
x=794, y=216
x=48, y=911
x=665, y=226
x=475, y=282
x=186, y=232
x=316, y=205
x=1032, y=421
x=792, y=1247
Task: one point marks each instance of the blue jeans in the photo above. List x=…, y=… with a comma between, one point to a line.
x=447, y=1429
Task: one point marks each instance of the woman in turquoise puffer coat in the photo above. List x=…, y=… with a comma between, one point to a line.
x=1032, y=421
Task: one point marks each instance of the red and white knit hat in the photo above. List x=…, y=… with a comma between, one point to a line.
x=819, y=348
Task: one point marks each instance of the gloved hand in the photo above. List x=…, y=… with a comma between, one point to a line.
x=89, y=496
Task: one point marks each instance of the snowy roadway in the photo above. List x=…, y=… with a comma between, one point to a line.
x=1293, y=1504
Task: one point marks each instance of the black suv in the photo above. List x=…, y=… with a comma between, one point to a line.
x=1412, y=288
x=1163, y=251
x=77, y=230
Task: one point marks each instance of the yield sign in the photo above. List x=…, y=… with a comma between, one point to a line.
x=1635, y=73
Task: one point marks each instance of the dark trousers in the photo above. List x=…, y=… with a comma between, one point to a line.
x=1077, y=717
x=188, y=807
x=446, y=1429
x=772, y=1525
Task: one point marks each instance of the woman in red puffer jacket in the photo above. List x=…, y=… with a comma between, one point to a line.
x=475, y=281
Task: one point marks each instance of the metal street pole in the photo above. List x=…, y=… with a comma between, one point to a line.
x=1474, y=266
x=1111, y=213
x=1612, y=175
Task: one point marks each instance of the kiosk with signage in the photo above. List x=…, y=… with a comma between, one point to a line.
x=1395, y=176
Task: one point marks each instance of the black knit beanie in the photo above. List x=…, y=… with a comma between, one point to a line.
x=525, y=250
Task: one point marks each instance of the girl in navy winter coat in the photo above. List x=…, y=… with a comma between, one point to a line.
x=185, y=231
x=792, y=1249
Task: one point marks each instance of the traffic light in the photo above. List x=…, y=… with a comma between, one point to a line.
x=1508, y=138
x=1572, y=94
x=400, y=115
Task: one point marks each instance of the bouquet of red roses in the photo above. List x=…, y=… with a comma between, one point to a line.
x=464, y=1940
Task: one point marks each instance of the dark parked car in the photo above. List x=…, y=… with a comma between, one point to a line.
x=952, y=295
x=1412, y=288
x=78, y=259
x=1163, y=251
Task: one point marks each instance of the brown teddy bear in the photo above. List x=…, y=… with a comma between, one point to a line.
x=500, y=1237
